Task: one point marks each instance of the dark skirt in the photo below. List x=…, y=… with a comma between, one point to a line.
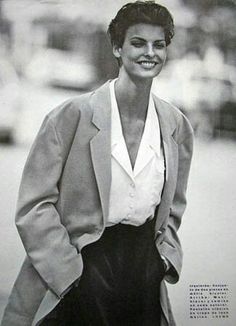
x=120, y=283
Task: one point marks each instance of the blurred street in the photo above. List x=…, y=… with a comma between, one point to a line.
x=206, y=231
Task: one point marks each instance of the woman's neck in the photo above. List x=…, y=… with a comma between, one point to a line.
x=132, y=96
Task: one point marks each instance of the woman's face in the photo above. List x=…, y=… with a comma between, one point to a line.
x=143, y=53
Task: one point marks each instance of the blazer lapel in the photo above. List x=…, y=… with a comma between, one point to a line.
x=167, y=128
x=100, y=144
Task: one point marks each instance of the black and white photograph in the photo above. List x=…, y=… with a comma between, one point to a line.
x=117, y=162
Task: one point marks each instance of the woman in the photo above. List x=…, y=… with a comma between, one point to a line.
x=103, y=194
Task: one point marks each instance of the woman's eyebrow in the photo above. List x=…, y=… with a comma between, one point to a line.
x=137, y=38
x=144, y=40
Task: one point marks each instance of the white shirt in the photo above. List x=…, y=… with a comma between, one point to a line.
x=135, y=193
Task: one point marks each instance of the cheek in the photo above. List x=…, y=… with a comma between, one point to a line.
x=132, y=53
x=130, y=59
x=164, y=56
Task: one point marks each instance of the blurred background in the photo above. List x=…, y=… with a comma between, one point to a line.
x=51, y=50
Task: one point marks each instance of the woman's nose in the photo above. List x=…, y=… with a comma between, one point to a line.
x=150, y=50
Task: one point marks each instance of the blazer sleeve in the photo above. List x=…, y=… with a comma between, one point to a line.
x=170, y=246
x=44, y=237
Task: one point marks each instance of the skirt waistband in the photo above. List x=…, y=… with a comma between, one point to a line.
x=128, y=228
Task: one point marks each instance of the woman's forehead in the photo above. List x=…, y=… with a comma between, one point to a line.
x=145, y=31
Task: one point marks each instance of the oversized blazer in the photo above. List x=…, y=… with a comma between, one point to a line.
x=64, y=200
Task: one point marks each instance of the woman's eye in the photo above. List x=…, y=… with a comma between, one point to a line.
x=137, y=44
x=159, y=45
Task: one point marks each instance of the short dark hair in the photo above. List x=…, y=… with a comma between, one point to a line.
x=147, y=12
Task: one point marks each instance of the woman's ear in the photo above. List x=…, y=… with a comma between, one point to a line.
x=116, y=51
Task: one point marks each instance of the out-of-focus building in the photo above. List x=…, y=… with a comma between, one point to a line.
x=65, y=29
x=10, y=102
x=69, y=54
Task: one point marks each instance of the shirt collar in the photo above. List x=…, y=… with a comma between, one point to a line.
x=151, y=134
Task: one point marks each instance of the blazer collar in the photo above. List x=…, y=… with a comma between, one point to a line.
x=166, y=118
x=101, y=105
